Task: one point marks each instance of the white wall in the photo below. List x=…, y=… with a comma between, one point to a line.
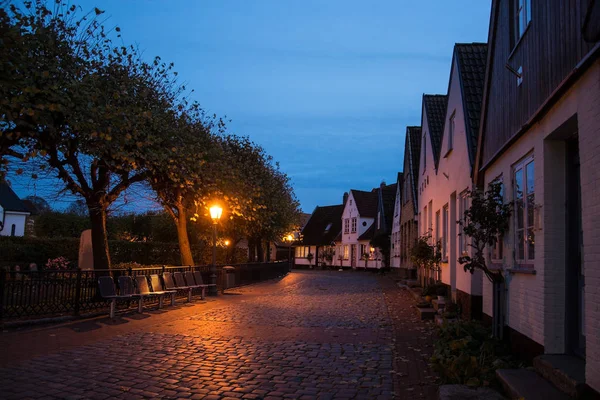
x=349, y=239
x=536, y=303
x=18, y=219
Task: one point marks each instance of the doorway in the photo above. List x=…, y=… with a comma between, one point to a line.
x=353, y=256
x=575, y=282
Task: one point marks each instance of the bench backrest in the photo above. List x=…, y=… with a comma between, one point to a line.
x=106, y=285
x=156, y=283
x=189, y=278
x=126, y=285
x=179, y=279
x=142, y=284
x=168, y=278
x=198, y=278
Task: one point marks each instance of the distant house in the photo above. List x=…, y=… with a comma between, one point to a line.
x=409, y=200
x=432, y=123
x=318, y=236
x=361, y=220
x=395, y=239
x=13, y=213
x=384, y=222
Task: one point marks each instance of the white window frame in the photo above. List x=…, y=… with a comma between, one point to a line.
x=451, y=129
x=520, y=234
x=523, y=17
x=346, y=225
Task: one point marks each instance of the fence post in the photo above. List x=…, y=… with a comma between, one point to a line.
x=2, y=279
x=77, y=292
x=130, y=271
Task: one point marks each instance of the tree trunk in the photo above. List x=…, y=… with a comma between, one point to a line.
x=101, y=255
x=185, y=249
x=260, y=251
x=251, y=250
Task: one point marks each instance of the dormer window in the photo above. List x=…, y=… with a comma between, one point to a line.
x=523, y=16
x=328, y=227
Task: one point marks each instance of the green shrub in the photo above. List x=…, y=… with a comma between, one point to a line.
x=465, y=353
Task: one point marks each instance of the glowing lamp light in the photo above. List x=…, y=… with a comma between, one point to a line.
x=227, y=243
x=215, y=213
x=289, y=238
x=372, y=250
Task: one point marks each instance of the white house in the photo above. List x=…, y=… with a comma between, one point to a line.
x=13, y=213
x=445, y=181
x=360, y=211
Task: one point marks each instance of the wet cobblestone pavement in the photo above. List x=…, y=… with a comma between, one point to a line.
x=311, y=335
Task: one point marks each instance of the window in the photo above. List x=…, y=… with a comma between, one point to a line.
x=451, y=132
x=437, y=227
x=463, y=205
x=353, y=225
x=445, y=217
x=328, y=227
x=425, y=220
x=346, y=225
x=424, y=151
x=302, y=251
x=524, y=197
x=362, y=250
x=346, y=252
x=523, y=16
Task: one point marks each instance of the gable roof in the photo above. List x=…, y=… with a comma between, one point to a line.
x=412, y=149
x=316, y=230
x=366, y=202
x=388, y=201
x=369, y=233
x=471, y=59
x=9, y=199
x=435, y=108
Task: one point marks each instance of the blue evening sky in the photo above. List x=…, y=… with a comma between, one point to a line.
x=326, y=87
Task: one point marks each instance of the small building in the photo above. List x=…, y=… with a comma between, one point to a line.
x=318, y=237
x=13, y=213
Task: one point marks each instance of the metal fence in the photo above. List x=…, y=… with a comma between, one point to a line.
x=50, y=293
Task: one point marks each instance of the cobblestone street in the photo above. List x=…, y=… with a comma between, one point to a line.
x=311, y=335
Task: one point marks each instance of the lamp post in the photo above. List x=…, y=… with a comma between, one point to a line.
x=215, y=215
x=289, y=238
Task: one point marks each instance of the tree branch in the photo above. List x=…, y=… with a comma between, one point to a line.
x=64, y=174
x=126, y=181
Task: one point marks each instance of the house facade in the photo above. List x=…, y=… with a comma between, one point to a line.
x=395, y=246
x=539, y=137
x=360, y=211
x=444, y=186
x=13, y=212
x=409, y=229
x=433, y=112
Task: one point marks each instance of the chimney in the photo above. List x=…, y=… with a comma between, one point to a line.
x=345, y=197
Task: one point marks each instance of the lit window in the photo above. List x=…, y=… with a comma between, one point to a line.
x=346, y=252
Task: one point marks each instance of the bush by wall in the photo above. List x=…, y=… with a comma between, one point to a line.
x=25, y=250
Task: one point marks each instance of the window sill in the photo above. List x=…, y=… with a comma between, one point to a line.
x=522, y=270
x=514, y=50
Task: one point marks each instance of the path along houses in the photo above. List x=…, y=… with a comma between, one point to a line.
x=523, y=110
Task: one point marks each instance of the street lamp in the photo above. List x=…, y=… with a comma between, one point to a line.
x=289, y=238
x=215, y=215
